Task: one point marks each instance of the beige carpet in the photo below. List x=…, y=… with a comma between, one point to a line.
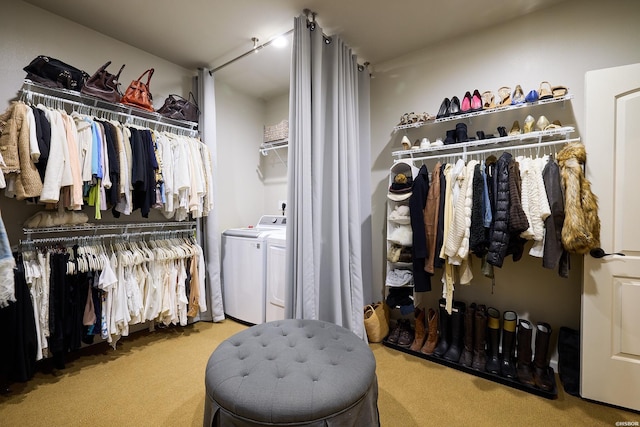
x=157, y=379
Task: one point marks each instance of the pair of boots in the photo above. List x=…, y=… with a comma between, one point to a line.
x=450, y=331
x=426, y=332
x=402, y=334
x=537, y=373
x=483, y=329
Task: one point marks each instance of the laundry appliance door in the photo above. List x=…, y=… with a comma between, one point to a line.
x=276, y=248
x=243, y=278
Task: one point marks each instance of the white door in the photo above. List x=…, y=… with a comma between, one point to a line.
x=610, y=368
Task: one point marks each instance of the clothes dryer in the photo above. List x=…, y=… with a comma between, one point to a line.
x=276, y=270
x=243, y=274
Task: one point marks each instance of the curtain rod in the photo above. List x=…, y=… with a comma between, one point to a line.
x=253, y=50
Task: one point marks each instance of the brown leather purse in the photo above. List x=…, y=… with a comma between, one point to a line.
x=138, y=94
x=104, y=85
x=179, y=108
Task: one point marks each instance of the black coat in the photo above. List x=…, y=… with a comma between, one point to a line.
x=554, y=253
x=499, y=237
x=417, y=202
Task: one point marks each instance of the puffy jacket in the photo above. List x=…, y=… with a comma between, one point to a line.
x=499, y=238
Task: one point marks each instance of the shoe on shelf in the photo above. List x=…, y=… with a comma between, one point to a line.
x=488, y=100
x=406, y=144
x=518, y=96
x=437, y=143
x=502, y=131
x=444, y=109
x=476, y=101
x=559, y=91
x=461, y=132
x=465, y=106
x=542, y=123
x=554, y=125
x=505, y=96
x=454, y=108
x=532, y=96
x=451, y=137
x=416, y=145
x=480, y=134
x=515, y=129
x=544, y=91
x=425, y=143
x=528, y=124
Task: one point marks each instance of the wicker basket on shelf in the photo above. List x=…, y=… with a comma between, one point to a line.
x=276, y=132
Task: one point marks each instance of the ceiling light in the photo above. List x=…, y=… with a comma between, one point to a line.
x=280, y=42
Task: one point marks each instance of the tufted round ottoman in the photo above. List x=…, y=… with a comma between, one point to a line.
x=294, y=373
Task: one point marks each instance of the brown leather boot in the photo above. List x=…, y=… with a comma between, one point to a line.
x=541, y=371
x=479, y=338
x=523, y=365
x=432, y=337
x=467, y=354
x=420, y=331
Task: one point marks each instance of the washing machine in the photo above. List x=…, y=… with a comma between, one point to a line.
x=244, y=269
x=276, y=270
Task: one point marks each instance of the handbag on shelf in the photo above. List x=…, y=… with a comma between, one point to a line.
x=179, y=108
x=138, y=94
x=376, y=321
x=104, y=85
x=54, y=73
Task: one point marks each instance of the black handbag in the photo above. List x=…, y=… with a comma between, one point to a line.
x=52, y=72
x=179, y=108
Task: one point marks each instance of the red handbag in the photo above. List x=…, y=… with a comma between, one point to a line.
x=138, y=94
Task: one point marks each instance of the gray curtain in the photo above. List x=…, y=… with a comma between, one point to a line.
x=211, y=246
x=327, y=187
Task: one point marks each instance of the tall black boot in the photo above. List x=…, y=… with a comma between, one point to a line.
x=467, y=354
x=493, y=340
x=457, y=332
x=461, y=132
x=451, y=137
x=479, y=338
x=541, y=374
x=444, y=329
x=523, y=367
x=507, y=364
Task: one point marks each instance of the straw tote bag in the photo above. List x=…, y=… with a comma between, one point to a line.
x=376, y=322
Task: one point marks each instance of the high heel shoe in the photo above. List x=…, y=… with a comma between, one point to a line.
x=488, y=100
x=528, y=124
x=465, y=106
x=444, y=109
x=505, y=96
x=515, y=129
x=542, y=123
x=454, y=107
x=545, y=90
x=532, y=96
x=518, y=96
x=476, y=101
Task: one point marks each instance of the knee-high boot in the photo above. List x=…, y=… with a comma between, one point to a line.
x=467, y=354
x=507, y=363
x=479, y=339
x=457, y=332
x=444, y=330
x=493, y=340
x=523, y=366
x=541, y=374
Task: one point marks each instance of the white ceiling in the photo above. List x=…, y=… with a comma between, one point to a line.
x=208, y=33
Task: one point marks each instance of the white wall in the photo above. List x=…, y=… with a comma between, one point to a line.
x=27, y=31
x=274, y=164
x=558, y=45
x=239, y=120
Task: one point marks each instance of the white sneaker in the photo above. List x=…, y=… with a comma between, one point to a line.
x=425, y=143
x=438, y=142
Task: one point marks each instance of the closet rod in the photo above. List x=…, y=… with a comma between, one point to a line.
x=124, y=228
x=161, y=235
x=127, y=115
x=465, y=153
x=249, y=52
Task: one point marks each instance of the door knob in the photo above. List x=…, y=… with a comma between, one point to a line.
x=600, y=253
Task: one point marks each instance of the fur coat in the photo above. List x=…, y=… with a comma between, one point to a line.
x=581, y=228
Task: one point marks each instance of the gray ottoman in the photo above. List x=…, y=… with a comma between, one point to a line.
x=294, y=373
